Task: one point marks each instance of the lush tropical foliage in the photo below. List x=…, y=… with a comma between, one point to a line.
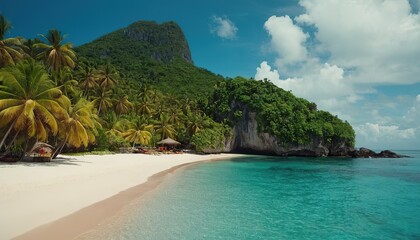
x=107, y=100
x=10, y=48
x=293, y=120
x=152, y=54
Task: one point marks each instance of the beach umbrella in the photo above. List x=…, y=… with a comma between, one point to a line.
x=168, y=141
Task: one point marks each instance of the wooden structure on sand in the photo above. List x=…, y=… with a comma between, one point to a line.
x=167, y=142
x=41, y=152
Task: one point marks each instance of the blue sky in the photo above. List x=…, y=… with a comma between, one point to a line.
x=358, y=59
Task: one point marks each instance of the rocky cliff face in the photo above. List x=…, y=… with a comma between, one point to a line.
x=167, y=38
x=247, y=139
x=141, y=41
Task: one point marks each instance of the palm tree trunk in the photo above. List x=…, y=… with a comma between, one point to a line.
x=99, y=108
x=24, y=149
x=134, y=142
x=7, y=133
x=60, y=147
x=7, y=148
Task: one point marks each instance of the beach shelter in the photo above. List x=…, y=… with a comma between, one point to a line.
x=168, y=142
x=41, y=152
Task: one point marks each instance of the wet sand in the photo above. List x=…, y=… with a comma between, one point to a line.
x=69, y=197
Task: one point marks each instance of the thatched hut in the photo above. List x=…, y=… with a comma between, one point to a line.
x=41, y=152
x=167, y=142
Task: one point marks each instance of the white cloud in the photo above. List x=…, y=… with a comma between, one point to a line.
x=387, y=136
x=379, y=39
x=223, y=27
x=326, y=86
x=287, y=39
x=354, y=47
x=376, y=132
x=264, y=72
x=304, y=19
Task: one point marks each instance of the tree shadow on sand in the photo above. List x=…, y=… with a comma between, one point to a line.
x=59, y=161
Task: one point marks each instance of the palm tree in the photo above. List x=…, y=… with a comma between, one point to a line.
x=145, y=92
x=107, y=76
x=118, y=127
x=196, y=122
x=29, y=101
x=63, y=78
x=165, y=128
x=175, y=115
x=139, y=131
x=10, y=48
x=28, y=47
x=145, y=107
x=103, y=100
x=80, y=128
x=122, y=105
x=55, y=53
x=88, y=78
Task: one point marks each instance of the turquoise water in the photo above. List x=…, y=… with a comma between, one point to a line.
x=282, y=198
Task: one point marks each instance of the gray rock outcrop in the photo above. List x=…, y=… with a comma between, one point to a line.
x=247, y=139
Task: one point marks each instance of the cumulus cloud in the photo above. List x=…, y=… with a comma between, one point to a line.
x=304, y=19
x=326, y=86
x=287, y=39
x=353, y=47
x=264, y=72
x=387, y=136
x=223, y=27
x=378, y=39
x=376, y=132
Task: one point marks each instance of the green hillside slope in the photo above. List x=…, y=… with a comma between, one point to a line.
x=151, y=53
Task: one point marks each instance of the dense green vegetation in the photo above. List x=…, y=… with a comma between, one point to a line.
x=151, y=53
x=136, y=87
x=292, y=120
x=49, y=94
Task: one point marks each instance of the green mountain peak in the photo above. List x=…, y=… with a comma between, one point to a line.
x=150, y=53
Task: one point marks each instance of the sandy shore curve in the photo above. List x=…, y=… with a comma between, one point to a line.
x=36, y=198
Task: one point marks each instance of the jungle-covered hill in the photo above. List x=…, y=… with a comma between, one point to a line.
x=150, y=53
x=137, y=86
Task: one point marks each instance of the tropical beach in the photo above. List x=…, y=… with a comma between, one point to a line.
x=33, y=195
x=113, y=114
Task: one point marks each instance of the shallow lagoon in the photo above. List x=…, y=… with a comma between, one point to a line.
x=281, y=198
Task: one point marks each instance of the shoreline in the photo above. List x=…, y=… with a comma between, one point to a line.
x=64, y=200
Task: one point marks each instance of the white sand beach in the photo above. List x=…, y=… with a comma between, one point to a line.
x=34, y=194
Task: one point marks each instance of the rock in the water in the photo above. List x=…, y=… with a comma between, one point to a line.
x=364, y=153
x=389, y=154
x=367, y=153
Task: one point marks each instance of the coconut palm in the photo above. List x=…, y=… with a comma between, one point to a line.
x=122, y=105
x=196, y=122
x=29, y=101
x=145, y=92
x=118, y=127
x=10, y=48
x=165, y=128
x=107, y=76
x=144, y=107
x=102, y=100
x=28, y=47
x=139, y=131
x=80, y=128
x=55, y=53
x=88, y=78
x=63, y=78
x=175, y=115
